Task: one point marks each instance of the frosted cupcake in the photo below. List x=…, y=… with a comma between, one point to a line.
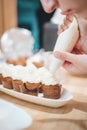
x=32, y=82
x=1, y=70
x=21, y=76
x=50, y=86
x=18, y=73
x=6, y=76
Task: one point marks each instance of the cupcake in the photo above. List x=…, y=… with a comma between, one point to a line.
x=19, y=61
x=1, y=70
x=18, y=73
x=50, y=86
x=6, y=77
x=32, y=82
x=7, y=82
x=18, y=86
x=33, y=88
x=52, y=91
x=21, y=77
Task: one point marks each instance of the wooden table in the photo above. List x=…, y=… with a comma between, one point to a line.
x=8, y=15
x=72, y=116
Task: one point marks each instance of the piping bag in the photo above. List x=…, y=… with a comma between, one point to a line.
x=65, y=42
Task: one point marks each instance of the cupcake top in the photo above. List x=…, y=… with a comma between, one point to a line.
x=17, y=72
x=7, y=70
x=31, y=67
x=32, y=78
x=2, y=66
x=20, y=72
x=31, y=74
x=24, y=73
x=46, y=77
x=28, y=74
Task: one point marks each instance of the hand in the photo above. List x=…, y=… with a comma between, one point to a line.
x=81, y=45
x=67, y=21
x=76, y=61
x=74, y=64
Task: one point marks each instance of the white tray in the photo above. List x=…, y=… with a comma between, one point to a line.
x=66, y=96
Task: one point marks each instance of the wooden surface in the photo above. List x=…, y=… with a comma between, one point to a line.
x=72, y=116
x=1, y=18
x=8, y=15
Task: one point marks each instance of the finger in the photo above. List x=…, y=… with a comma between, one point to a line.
x=62, y=28
x=72, y=69
x=60, y=31
x=67, y=22
x=65, y=25
x=69, y=18
x=70, y=63
x=66, y=56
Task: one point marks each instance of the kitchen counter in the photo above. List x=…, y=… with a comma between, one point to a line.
x=72, y=116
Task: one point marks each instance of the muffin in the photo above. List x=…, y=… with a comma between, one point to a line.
x=21, y=78
x=19, y=61
x=32, y=82
x=52, y=91
x=6, y=77
x=1, y=70
x=17, y=75
x=18, y=86
x=50, y=86
x=7, y=82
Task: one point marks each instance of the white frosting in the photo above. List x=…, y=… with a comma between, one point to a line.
x=36, y=58
x=46, y=77
x=28, y=74
x=31, y=68
x=32, y=78
x=19, y=72
x=6, y=71
x=2, y=66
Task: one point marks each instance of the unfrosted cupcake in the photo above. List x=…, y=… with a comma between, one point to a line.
x=50, y=86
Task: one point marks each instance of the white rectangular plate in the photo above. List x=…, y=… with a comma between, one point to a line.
x=66, y=96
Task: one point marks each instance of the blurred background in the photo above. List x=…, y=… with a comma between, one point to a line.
x=29, y=14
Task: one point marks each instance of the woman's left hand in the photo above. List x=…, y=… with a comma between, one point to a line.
x=75, y=64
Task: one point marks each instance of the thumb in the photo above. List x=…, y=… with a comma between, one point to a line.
x=66, y=56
